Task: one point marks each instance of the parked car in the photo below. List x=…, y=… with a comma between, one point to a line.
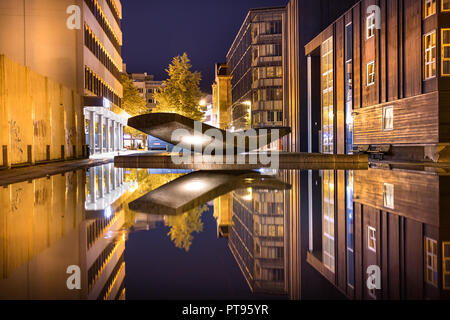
x=157, y=144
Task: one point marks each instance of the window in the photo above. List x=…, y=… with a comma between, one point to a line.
x=372, y=239
x=445, y=52
x=350, y=229
x=445, y=5
x=371, y=73
x=388, y=196
x=349, y=88
x=429, y=8
x=446, y=264
x=371, y=25
x=328, y=243
x=431, y=272
x=429, y=44
x=388, y=118
x=327, y=97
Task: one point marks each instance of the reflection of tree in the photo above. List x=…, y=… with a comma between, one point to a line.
x=183, y=226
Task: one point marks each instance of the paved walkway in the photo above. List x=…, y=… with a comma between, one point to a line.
x=33, y=172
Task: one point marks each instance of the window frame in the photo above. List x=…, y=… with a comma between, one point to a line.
x=371, y=26
x=425, y=2
x=434, y=265
x=386, y=187
x=371, y=63
x=444, y=260
x=372, y=231
x=385, y=118
x=425, y=50
x=443, y=46
x=442, y=7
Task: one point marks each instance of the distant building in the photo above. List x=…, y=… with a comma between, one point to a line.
x=206, y=105
x=222, y=97
x=255, y=62
x=147, y=87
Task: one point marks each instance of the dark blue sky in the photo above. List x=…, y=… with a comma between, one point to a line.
x=155, y=31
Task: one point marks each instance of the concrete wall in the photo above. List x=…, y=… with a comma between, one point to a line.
x=38, y=117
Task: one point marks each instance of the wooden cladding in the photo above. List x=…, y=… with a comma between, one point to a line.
x=415, y=119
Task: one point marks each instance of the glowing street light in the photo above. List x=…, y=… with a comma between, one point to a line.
x=202, y=102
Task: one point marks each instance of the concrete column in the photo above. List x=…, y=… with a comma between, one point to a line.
x=107, y=135
x=113, y=178
x=113, y=136
x=92, y=185
x=101, y=190
x=101, y=133
x=92, y=132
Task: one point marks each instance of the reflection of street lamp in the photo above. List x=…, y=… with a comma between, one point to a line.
x=202, y=102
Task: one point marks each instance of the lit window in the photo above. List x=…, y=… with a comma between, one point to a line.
x=327, y=96
x=388, y=118
x=371, y=73
x=445, y=5
x=429, y=8
x=445, y=52
x=431, y=272
x=388, y=196
x=328, y=239
x=446, y=264
x=371, y=25
x=429, y=43
x=372, y=239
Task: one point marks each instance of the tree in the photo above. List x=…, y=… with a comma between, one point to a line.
x=133, y=103
x=180, y=93
x=183, y=226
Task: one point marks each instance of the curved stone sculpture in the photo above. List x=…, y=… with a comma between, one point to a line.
x=202, y=138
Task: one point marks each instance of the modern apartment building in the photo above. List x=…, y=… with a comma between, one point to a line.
x=255, y=62
x=147, y=87
x=76, y=45
x=379, y=80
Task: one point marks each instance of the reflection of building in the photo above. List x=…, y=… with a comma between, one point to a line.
x=223, y=214
x=366, y=83
x=394, y=219
x=256, y=239
x=147, y=87
x=255, y=62
x=221, y=91
x=52, y=224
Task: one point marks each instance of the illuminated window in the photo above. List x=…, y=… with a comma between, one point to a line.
x=429, y=8
x=431, y=271
x=388, y=118
x=429, y=44
x=371, y=73
x=446, y=264
x=327, y=97
x=445, y=5
x=328, y=220
x=445, y=52
x=372, y=239
x=371, y=25
x=388, y=196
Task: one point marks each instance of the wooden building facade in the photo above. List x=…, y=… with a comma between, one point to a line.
x=379, y=81
x=392, y=218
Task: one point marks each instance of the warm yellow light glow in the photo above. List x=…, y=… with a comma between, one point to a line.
x=203, y=102
x=248, y=103
x=195, y=185
x=195, y=140
x=249, y=196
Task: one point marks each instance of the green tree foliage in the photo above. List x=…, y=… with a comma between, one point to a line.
x=183, y=226
x=133, y=103
x=180, y=93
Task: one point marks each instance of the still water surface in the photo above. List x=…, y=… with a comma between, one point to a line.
x=167, y=234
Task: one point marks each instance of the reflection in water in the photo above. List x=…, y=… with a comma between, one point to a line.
x=304, y=235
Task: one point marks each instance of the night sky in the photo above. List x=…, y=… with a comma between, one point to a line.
x=157, y=30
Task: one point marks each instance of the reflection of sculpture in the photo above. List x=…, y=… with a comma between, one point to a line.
x=195, y=189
